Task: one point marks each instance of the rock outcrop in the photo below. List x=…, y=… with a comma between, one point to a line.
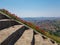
x=14, y=33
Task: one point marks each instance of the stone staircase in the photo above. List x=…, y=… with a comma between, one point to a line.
x=13, y=33
x=8, y=31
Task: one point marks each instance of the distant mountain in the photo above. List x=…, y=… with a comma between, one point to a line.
x=50, y=24
x=41, y=18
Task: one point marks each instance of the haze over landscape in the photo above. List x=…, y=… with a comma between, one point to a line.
x=32, y=8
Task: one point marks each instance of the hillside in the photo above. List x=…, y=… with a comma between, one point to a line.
x=11, y=20
x=51, y=24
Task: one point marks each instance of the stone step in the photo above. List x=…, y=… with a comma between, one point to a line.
x=40, y=41
x=26, y=38
x=6, y=23
x=8, y=31
x=3, y=16
x=6, y=20
x=14, y=36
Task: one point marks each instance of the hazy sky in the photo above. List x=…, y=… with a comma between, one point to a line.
x=32, y=8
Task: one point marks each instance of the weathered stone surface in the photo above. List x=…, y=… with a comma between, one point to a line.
x=3, y=16
x=40, y=41
x=8, y=31
x=9, y=27
x=6, y=24
x=26, y=38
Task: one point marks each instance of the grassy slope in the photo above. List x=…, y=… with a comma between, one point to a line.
x=57, y=39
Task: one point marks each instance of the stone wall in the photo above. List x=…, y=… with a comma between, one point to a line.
x=3, y=16
x=6, y=24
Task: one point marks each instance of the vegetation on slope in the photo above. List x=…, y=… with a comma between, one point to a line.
x=29, y=24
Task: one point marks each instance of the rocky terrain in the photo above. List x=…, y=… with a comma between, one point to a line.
x=20, y=35
x=14, y=33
